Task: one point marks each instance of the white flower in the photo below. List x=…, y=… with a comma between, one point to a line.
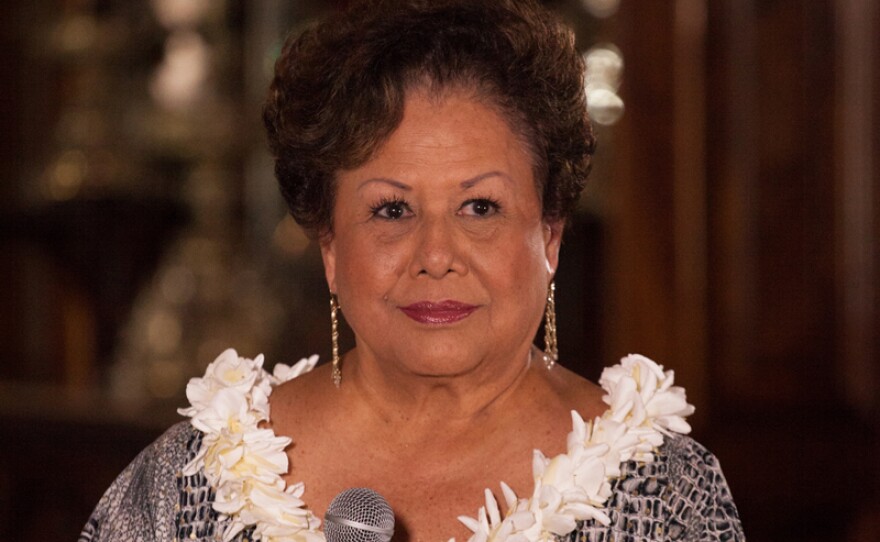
x=257, y=454
x=230, y=498
x=245, y=462
x=283, y=373
x=227, y=372
x=282, y=509
x=228, y=410
x=241, y=460
x=574, y=486
x=639, y=390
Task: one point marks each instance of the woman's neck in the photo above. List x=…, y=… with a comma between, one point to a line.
x=402, y=398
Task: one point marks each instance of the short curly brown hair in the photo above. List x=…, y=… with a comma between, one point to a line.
x=339, y=92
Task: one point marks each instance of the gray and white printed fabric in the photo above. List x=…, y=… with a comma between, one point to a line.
x=681, y=496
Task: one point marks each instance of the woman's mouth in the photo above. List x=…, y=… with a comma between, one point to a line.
x=439, y=312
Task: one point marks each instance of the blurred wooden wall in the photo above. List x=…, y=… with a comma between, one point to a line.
x=743, y=244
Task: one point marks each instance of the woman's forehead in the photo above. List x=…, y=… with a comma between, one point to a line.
x=455, y=132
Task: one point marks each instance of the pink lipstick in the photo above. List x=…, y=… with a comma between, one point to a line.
x=438, y=313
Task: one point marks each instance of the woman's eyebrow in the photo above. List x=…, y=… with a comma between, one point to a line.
x=393, y=182
x=469, y=183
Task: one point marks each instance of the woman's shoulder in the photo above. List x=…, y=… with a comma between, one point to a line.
x=689, y=469
x=143, y=500
x=163, y=459
x=169, y=453
x=680, y=495
x=305, y=403
x=684, y=454
x=176, y=446
x=577, y=393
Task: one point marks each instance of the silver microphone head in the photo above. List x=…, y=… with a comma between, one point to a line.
x=359, y=515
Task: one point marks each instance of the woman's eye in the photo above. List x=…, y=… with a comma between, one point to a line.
x=480, y=207
x=392, y=210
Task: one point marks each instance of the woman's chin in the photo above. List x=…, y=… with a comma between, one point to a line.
x=446, y=363
x=437, y=370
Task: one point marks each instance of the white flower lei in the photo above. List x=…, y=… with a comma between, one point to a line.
x=244, y=463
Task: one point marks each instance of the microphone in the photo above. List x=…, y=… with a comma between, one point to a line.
x=359, y=515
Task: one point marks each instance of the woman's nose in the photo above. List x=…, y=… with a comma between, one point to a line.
x=437, y=251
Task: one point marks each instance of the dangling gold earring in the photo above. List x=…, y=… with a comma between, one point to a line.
x=551, y=350
x=334, y=338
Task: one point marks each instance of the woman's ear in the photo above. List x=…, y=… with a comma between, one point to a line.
x=552, y=242
x=328, y=255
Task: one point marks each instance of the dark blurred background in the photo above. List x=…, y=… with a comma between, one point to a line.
x=730, y=232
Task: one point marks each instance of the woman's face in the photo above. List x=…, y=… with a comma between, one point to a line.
x=440, y=256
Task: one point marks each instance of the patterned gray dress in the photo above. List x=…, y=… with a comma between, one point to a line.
x=682, y=495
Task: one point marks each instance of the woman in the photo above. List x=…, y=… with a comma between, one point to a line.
x=434, y=150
